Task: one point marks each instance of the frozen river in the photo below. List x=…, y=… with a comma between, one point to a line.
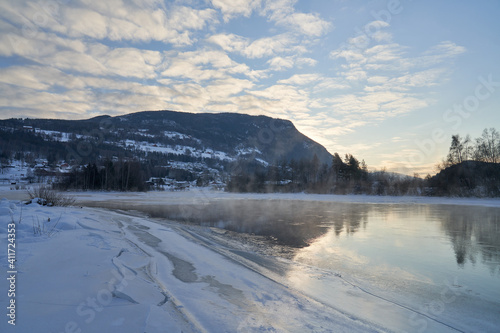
x=441, y=260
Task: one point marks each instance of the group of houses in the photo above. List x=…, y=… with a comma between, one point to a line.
x=174, y=185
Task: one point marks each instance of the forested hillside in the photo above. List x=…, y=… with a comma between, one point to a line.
x=239, y=153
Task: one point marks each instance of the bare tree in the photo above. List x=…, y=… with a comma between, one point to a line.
x=468, y=148
x=488, y=146
x=457, y=153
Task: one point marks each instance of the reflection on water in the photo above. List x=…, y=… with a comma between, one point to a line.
x=291, y=223
x=413, y=251
x=472, y=232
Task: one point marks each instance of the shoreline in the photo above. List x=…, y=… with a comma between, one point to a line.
x=204, y=195
x=168, y=273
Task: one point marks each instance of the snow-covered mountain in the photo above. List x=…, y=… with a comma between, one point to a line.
x=204, y=142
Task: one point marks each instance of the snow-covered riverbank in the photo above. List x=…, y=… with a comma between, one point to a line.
x=99, y=271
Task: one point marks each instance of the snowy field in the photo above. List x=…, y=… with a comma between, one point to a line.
x=95, y=270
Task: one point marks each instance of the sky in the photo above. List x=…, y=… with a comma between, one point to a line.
x=388, y=81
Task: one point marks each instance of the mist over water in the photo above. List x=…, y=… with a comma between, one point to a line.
x=409, y=250
x=468, y=236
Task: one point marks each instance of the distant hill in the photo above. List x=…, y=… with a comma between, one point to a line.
x=469, y=178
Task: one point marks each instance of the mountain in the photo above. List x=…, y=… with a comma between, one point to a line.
x=200, y=141
x=266, y=138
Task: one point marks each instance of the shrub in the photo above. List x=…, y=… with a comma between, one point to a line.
x=51, y=197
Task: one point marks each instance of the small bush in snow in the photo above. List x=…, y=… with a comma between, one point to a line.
x=47, y=196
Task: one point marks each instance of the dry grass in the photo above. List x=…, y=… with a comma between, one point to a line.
x=51, y=197
x=41, y=228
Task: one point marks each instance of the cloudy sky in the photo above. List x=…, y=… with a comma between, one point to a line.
x=389, y=81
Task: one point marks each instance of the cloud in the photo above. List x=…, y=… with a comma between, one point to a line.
x=202, y=65
x=84, y=22
x=384, y=79
x=229, y=42
x=384, y=53
x=282, y=101
x=186, y=69
x=269, y=46
x=305, y=61
x=283, y=13
x=51, y=79
x=301, y=79
x=259, y=48
x=19, y=100
x=36, y=91
x=307, y=24
x=131, y=62
x=89, y=58
x=360, y=56
x=234, y=8
x=359, y=109
x=220, y=90
x=398, y=139
x=349, y=55
x=114, y=20
x=280, y=63
x=446, y=49
x=24, y=77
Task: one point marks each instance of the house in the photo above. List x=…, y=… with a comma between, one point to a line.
x=181, y=186
x=155, y=181
x=218, y=186
x=64, y=167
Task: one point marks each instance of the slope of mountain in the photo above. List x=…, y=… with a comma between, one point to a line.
x=235, y=134
x=215, y=140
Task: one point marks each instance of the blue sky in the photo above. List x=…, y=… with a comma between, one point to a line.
x=388, y=81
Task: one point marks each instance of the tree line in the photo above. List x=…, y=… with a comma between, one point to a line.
x=343, y=175
x=471, y=168
x=485, y=148
x=110, y=176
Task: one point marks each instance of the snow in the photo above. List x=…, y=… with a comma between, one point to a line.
x=104, y=271
x=261, y=161
x=108, y=271
x=248, y=151
x=58, y=136
x=177, y=150
x=14, y=173
x=177, y=135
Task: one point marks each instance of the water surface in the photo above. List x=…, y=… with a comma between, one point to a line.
x=419, y=253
